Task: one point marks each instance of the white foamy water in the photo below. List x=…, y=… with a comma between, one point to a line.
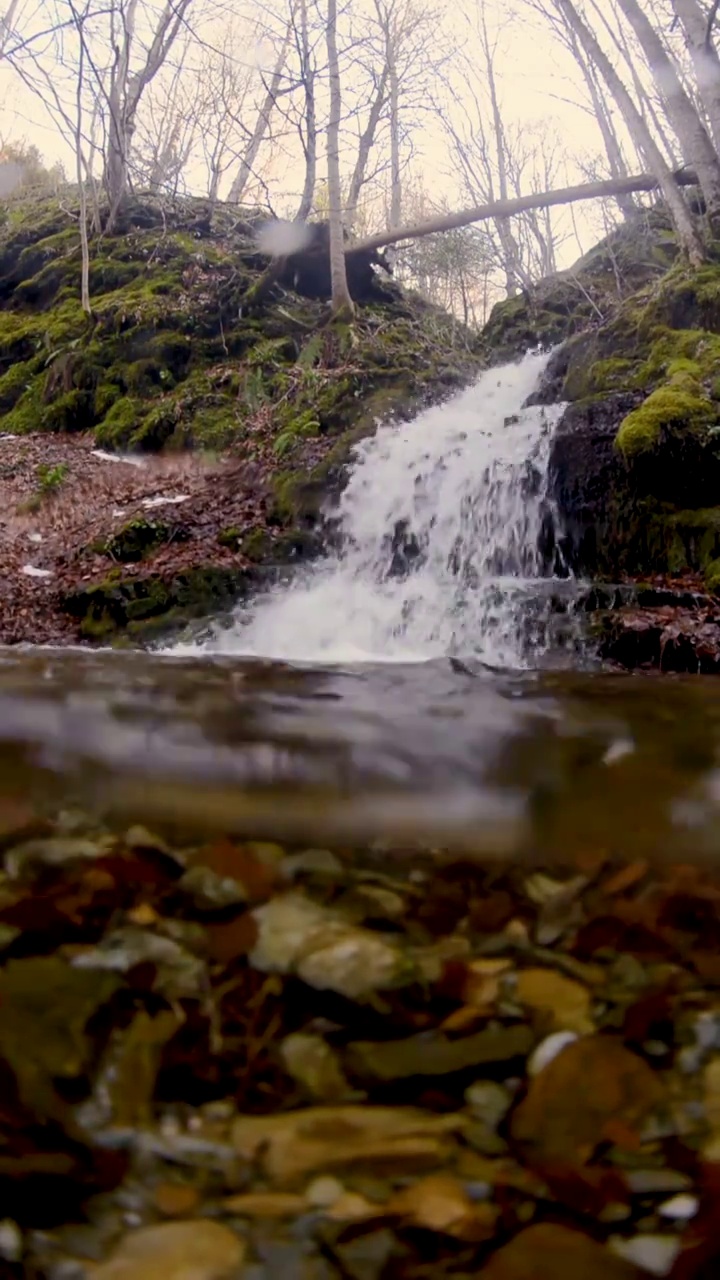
x=440, y=522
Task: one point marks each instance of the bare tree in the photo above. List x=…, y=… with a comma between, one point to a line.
x=640, y=133
x=697, y=149
x=366, y=142
x=342, y=304
x=307, y=125
x=273, y=88
x=698, y=35
x=126, y=88
x=7, y=24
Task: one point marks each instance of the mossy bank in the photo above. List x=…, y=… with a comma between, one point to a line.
x=635, y=464
x=182, y=356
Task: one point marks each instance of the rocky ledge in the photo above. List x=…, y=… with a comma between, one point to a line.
x=174, y=448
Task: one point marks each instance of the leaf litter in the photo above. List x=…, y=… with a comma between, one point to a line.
x=244, y=1060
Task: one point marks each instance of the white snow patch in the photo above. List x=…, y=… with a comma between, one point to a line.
x=165, y=502
x=31, y=572
x=117, y=457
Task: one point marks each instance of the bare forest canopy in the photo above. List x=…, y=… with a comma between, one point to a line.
x=381, y=118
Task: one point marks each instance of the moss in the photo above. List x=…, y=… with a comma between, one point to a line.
x=119, y=423
x=27, y=413
x=712, y=577
x=137, y=539
x=149, y=604
x=73, y=411
x=679, y=405
x=16, y=381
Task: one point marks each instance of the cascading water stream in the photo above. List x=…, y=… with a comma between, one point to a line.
x=440, y=524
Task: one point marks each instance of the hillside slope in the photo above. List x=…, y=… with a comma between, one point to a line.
x=238, y=411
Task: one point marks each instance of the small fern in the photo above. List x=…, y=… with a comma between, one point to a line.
x=311, y=352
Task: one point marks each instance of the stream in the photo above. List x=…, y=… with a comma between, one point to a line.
x=418, y=687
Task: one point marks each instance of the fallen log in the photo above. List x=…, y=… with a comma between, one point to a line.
x=506, y=208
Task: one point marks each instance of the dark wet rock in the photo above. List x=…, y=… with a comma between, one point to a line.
x=589, y=480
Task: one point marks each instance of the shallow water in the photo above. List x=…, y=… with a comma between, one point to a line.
x=545, y=764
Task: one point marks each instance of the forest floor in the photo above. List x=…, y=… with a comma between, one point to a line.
x=63, y=501
x=254, y=1062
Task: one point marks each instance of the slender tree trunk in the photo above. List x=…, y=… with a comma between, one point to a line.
x=685, y=228
x=395, y=173
x=309, y=141
x=704, y=58
x=365, y=145
x=508, y=243
x=538, y=200
x=262, y=124
x=84, y=245
x=697, y=149
x=6, y=24
x=616, y=161
x=342, y=304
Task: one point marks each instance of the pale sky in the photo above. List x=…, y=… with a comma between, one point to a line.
x=537, y=81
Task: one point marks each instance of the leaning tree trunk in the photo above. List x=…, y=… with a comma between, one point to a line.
x=616, y=161
x=704, y=58
x=685, y=228
x=365, y=145
x=697, y=149
x=342, y=304
x=309, y=142
x=395, y=172
x=262, y=124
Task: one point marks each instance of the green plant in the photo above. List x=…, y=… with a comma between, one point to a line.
x=50, y=479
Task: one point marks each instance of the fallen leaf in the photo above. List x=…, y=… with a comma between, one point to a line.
x=440, y=1203
x=266, y=1204
x=298, y=1143
x=190, y=1250
x=482, y=983
x=548, y=1249
x=45, y=1006
x=179, y=972
x=590, y=1083
x=175, y=1199
x=252, y=867
x=625, y=878
x=226, y=942
x=129, y=1069
x=314, y=1066
x=563, y=1003
x=352, y=1207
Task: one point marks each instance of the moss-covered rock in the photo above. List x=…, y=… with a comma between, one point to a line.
x=147, y=605
x=139, y=537
x=636, y=254
x=640, y=441
x=679, y=406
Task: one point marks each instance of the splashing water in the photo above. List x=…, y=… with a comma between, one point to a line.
x=440, y=523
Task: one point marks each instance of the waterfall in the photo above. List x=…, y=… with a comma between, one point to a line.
x=440, y=523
